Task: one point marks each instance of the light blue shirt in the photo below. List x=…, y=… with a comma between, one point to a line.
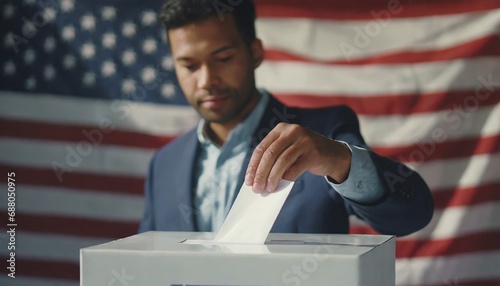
x=218, y=169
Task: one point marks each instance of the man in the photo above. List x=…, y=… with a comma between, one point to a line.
x=247, y=136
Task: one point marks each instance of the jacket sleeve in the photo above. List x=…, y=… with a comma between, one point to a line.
x=406, y=205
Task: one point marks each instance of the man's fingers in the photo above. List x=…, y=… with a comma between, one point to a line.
x=258, y=153
x=286, y=159
x=267, y=161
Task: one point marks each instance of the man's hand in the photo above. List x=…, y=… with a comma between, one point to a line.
x=289, y=150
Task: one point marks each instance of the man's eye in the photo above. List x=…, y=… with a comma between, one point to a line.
x=226, y=59
x=190, y=67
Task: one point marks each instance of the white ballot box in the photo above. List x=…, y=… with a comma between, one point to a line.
x=192, y=258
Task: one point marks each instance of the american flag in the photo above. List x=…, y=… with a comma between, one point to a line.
x=88, y=93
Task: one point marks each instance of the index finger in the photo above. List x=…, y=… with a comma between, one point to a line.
x=257, y=154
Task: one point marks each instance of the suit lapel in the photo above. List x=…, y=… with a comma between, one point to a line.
x=184, y=189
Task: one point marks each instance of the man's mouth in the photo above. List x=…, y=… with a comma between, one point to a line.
x=214, y=101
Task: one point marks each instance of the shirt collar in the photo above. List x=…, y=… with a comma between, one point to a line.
x=244, y=129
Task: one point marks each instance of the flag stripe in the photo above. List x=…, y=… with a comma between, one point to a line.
x=476, y=242
x=402, y=104
x=75, y=226
x=376, y=80
x=430, y=151
x=482, y=47
x=47, y=269
x=357, y=40
x=448, y=223
x=386, y=131
x=77, y=133
x=467, y=196
x=78, y=180
x=437, y=270
x=164, y=120
x=348, y=10
x=65, y=157
x=75, y=203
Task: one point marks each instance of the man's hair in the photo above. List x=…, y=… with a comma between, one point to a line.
x=177, y=13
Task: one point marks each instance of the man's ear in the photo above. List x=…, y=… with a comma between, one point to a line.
x=257, y=53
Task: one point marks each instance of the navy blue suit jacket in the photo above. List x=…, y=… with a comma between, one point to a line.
x=313, y=206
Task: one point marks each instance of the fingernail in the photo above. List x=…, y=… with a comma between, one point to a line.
x=248, y=179
x=269, y=189
x=257, y=188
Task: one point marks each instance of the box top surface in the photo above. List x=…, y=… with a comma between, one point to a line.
x=200, y=243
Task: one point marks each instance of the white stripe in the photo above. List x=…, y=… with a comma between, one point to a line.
x=383, y=79
x=51, y=247
x=70, y=156
x=35, y=200
x=463, y=172
x=35, y=281
x=451, y=270
x=386, y=131
x=325, y=38
x=158, y=119
x=454, y=221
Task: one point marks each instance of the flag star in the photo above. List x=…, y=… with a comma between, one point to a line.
x=109, y=40
x=148, y=75
x=9, y=68
x=68, y=33
x=108, y=13
x=108, y=68
x=168, y=90
x=50, y=14
x=89, y=79
x=67, y=5
x=8, y=11
x=88, y=22
x=128, y=29
x=128, y=86
x=148, y=18
x=88, y=50
x=50, y=44
x=149, y=46
x=69, y=62
x=49, y=72
x=128, y=57
x=30, y=83
x=29, y=56
x=167, y=63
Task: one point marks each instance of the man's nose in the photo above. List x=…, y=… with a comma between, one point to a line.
x=208, y=77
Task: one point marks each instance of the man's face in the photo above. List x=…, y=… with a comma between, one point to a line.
x=215, y=68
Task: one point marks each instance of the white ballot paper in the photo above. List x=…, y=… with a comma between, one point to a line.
x=252, y=215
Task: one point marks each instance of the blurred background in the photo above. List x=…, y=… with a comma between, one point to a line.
x=88, y=93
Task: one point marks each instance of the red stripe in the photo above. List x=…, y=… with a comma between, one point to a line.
x=77, y=180
x=431, y=151
x=74, y=226
x=398, y=104
x=46, y=269
x=466, y=196
x=77, y=133
x=487, y=46
x=362, y=10
x=484, y=241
